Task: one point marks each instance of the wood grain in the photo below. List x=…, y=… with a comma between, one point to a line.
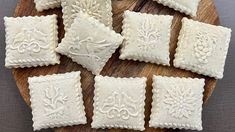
x=115, y=67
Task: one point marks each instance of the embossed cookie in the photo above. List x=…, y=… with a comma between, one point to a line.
x=188, y=7
x=46, y=4
x=99, y=9
x=56, y=100
x=119, y=103
x=146, y=37
x=202, y=48
x=31, y=41
x=177, y=103
x=89, y=43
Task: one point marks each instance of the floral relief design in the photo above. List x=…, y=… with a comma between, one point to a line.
x=120, y=105
x=149, y=35
x=203, y=47
x=180, y=101
x=91, y=48
x=91, y=7
x=30, y=39
x=54, y=102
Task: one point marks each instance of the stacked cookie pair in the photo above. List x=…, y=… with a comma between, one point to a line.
x=57, y=100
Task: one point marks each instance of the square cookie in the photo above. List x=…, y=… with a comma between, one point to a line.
x=31, y=41
x=99, y=9
x=46, y=4
x=189, y=7
x=119, y=103
x=56, y=100
x=146, y=37
x=89, y=43
x=177, y=103
x=202, y=48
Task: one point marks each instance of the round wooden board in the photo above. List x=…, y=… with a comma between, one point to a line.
x=115, y=67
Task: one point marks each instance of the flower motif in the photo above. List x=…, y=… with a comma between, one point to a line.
x=148, y=35
x=180, y=101
x=203, y=47
x=54, y=102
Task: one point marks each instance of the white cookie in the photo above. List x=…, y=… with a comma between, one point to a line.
x=31, y=41
x=56, y=100
x=202, y=48
x=119, y=103
x=146, y=37
x=188, y=7
x=46, y=4
x=177, y=103
x=99, y=9
x=89, y=43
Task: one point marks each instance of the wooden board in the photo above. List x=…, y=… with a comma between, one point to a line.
x=115, y=67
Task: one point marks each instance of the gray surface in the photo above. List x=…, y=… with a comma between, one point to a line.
x=218, y=115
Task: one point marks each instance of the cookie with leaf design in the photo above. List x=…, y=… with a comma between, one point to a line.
x=56, y=100
x=46, y=4
x=146, y=37
x=202, y=48
x=89, y=43
x=31, y=41
x=188, y=7
x=99, y=9
x=177, y=103
x=119, y=103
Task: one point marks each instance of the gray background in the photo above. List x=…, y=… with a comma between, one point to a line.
x=218, y=115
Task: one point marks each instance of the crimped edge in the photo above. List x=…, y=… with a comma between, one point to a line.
x=140, y=126
x=53, y=60
x=136, y=56
x=177, y=60
x=41, y=5
x=79, y=96
x=155, y=108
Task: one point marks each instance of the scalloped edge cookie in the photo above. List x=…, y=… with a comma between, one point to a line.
x=47, y=4
x=35, y=60
x=75, y=92
x=170, y=93
x=190, y=8
x=123, y=92
x=102, y=41
x=202, y=48
x=146, y=37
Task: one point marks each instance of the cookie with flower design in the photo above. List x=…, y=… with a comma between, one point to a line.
x=188, y=7
x=31, y=41
x=99, y=9
x=202, y=48
x=56, y=100
x=46, y=4
x=89, y=43
x=119, y=103
x=146, y=37
x=177, y=103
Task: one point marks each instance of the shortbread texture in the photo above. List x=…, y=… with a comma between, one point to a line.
x=56, y=100
x=202, y=48
x=99, y=9
x=46, y=4
x=146, y=37
x=177, y=103
x=89, y=43
x=119, y=103
x=31, y=41
x=189, y=7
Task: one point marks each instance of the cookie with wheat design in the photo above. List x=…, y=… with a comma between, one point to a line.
x=56, y=100
x=119, y=103
x=202, y=48
x=146, y=37
x=31, y=41
x=99, y=9
x=89, y=43
x=177, y=103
